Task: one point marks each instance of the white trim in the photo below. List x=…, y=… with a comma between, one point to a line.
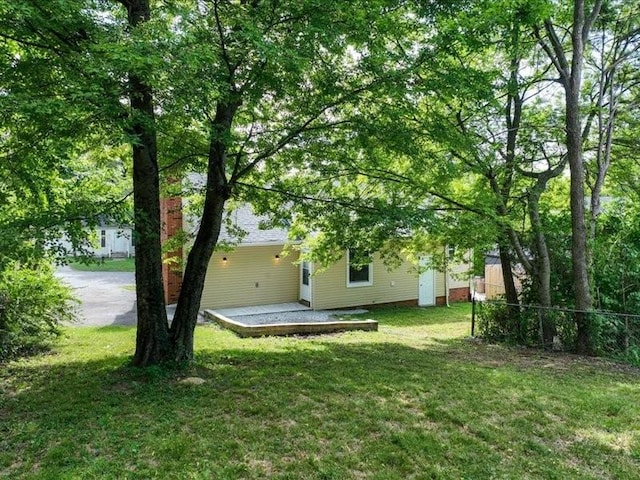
x=306, y=291
x=351, y=284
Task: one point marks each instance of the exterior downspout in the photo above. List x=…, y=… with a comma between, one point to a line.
x=446, y=274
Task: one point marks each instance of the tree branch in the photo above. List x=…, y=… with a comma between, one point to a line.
x=555, y=51
x=595, y=11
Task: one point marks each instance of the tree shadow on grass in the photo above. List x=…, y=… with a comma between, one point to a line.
x=377, y=409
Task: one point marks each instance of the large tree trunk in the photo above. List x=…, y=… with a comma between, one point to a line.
x=217, y=193
x=512, y=117
x=579, y=256
x=542, y=271
x=186, y=316
x=511, y=293
x=573, y=126
x=152, y=339
x=571, y=78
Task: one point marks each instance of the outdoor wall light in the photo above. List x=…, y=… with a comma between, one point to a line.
x=277, y=257
x=224, y=259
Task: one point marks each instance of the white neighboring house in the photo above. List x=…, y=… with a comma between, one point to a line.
x=114, y=241
x=110, y=241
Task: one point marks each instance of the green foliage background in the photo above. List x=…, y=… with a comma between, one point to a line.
x=33, y=302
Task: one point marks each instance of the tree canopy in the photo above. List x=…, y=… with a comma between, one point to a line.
x=377, y=123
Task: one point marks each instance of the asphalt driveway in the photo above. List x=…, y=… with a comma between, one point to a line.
x=107, y=298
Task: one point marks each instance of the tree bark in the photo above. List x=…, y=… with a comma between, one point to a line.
x=573, y=126
x=152, y=338
x=571, y=79
x=217, y=193
x=512, y=117
x=542, y=274
x=511, y=294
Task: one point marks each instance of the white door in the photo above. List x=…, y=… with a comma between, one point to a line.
x=305, y=282
x=121, y=242
x=426, y=286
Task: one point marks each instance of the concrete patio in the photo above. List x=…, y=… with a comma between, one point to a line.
x=287, y=319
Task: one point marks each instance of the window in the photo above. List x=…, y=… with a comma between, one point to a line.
x=451, y=252
x=358, y=275
x=103, y=238
x=305, y=273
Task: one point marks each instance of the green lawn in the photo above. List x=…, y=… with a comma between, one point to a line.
x=105, y=265
x=414, y=400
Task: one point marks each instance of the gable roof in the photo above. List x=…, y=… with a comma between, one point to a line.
x=244, y=219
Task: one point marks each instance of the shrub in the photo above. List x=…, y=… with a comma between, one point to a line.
x=32, y=304
x=497, y=322
x=608, y=333
x=633, y=355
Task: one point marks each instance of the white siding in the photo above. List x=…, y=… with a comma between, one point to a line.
x=117, y=242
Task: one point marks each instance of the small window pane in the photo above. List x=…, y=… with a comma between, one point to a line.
x=305, y=273
x=358, y=274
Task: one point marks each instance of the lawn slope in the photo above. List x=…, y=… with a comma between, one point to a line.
x=414, y=400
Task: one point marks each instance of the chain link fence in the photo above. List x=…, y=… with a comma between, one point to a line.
x=612, y=333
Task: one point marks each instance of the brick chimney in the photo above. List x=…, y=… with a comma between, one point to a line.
x=171, y=217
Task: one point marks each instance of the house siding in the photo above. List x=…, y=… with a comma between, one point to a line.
x=439, y=284
x=459, y=276
x=458, y=283
x=251, y=276
x=330, y=286
x=117, y=242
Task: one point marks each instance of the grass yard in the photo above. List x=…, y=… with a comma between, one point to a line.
x=105, y=265
x=414, y=400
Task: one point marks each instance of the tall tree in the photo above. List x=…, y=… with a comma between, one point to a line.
x=612, y=74
x=152, y=337
x=280, y=74
x=61, y=170
x=221, y=87
x=570, y=71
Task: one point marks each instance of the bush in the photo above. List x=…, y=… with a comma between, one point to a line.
x=608, y=332
x=32, y=304
x=617, y=335
x=633, y=355
x=497, y=323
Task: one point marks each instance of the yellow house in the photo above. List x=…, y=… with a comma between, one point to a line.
x=255, y=272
